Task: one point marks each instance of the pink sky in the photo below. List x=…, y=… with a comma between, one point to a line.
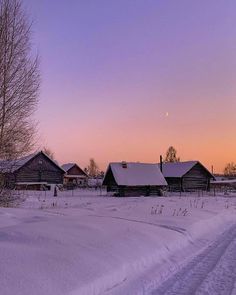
x=111, y=70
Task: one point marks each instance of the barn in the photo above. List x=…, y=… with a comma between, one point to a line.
x=31, y=172
x=186, y=176
x=74, y=176
x=134, y=179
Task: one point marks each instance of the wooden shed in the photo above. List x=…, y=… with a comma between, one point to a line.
x=134, y=179
x=74, y=176
x=187, y=176
x=33, y=171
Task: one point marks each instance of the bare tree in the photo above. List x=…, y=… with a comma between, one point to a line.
x=49, y=152
x=171, y=155
x=92, y=169
x=230, y=169
x=19, y=81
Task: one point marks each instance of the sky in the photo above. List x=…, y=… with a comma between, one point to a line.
x=125, y=79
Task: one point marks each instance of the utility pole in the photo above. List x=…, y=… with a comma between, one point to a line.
x=161, y=163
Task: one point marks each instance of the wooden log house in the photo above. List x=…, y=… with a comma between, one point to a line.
x=74, y=176
x=31, y=172
x=134, y=179
x=187, y=176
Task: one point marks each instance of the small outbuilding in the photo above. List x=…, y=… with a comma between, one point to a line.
x=223, y=185
x=186, y=176
x=74, y=176
x=35, y=171
x=134, y=179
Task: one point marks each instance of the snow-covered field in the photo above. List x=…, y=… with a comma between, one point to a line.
x=84, y=242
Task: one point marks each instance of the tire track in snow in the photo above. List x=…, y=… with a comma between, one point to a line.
x=212, y=272
x=169, y=227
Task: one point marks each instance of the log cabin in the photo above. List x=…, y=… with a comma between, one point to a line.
x=31, y=172
x=74, y=176
x=186, y=176
x=134, y=179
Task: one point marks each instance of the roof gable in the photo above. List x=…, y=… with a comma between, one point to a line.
x=137, y=174
x=9, y=166
x=179, y=169
x=69, y=166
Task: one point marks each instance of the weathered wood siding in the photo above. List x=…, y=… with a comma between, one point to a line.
x=8, y=180
x=132, y=191
x=110, y=182
x=174, y=183
x=197, y=178
x=125, y=191
x=75, y=170
x=39, y=169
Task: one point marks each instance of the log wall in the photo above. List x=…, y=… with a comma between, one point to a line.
x=197, y=178
x=39, y=169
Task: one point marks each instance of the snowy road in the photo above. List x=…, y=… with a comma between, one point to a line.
x=98, y=245
x=212, y=272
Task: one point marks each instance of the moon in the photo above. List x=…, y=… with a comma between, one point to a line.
x=167, y=114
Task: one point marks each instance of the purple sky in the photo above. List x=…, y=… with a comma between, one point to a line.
x=123, y=80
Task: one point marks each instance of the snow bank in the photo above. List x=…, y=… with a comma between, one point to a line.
x=84, y=244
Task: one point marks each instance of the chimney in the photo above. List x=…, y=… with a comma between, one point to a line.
x=124, y=164
x=161, y=163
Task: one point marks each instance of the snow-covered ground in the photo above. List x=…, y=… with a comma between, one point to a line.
x=84, y=242
x=213, y=271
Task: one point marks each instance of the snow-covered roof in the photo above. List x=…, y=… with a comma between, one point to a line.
x=13, y=165
x=178, y=169
x=224, y=181
x=217, y=178
x=67, y=166
x=137, y=174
